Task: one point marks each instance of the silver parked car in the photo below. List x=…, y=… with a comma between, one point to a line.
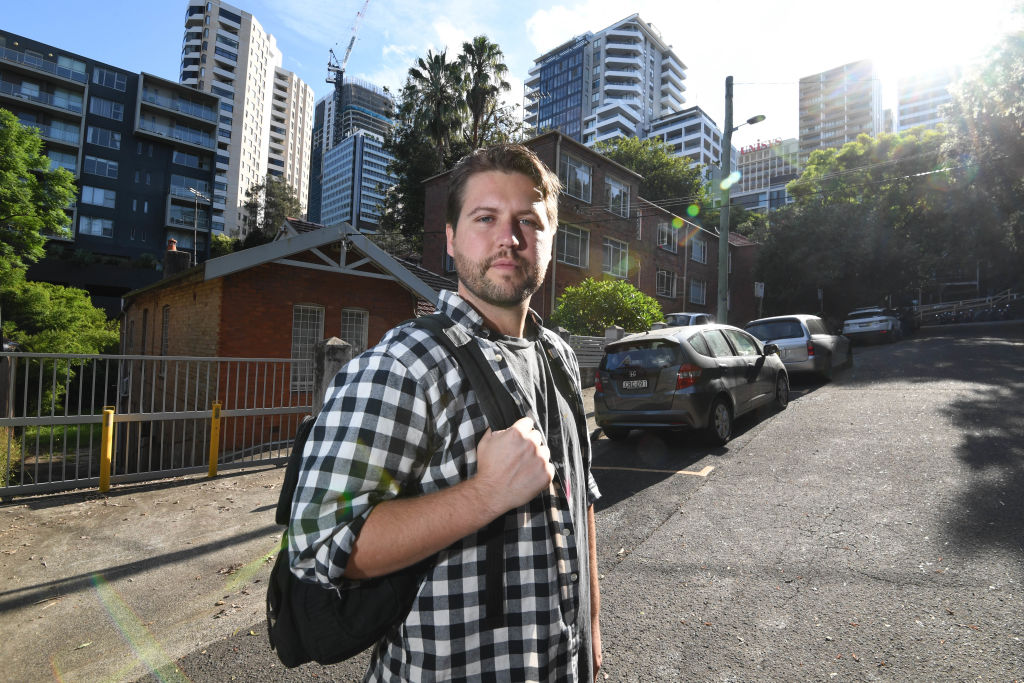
x=873, y=324
x=805, y=344
x=698, y=377
x=684, y=319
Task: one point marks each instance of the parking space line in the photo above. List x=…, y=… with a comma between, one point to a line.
x=703, y=473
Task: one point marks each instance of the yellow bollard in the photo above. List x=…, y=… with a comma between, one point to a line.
x=106, y=446
x=214, y=438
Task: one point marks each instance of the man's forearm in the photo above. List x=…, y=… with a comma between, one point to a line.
x=401, y=532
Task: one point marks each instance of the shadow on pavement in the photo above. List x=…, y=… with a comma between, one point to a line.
x=28, y=595
x=989, y=358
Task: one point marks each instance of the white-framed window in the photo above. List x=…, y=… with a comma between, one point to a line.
x=98, y=196
x=104, y=137
x=615, y=257
x=616, y=196
x=667, y=237
x=699, y=250
x=698, y=291
x=109, y=78
x=575, y=176
x=573, y=246
x=307, y=330
x=666, y=283
x=355, y=328
x=98, y=227
x=100, y=166
x=107, y=108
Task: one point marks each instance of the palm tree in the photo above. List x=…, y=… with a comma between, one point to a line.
x=437, y=86
x=484, y=70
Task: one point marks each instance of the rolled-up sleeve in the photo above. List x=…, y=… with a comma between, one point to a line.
x=367, y=445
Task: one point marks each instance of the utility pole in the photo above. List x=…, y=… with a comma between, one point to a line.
x=725, y=184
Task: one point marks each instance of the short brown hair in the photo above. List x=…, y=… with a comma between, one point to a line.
x=507, y=158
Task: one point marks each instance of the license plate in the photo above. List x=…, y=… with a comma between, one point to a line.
x=634, y=384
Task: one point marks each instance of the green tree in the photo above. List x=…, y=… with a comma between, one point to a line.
x=484, y=73
x=267, y=204
x=32, y=196
x=592, y=306
x=876, y=219
x=438, y=85
x=222, y=245
x=667, y=179
x=443, y=109
x=985, y=147
x=39, y=316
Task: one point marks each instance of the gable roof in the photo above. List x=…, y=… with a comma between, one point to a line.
x=358, y=256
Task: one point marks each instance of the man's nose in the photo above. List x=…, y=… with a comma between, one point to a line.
x=508, y=233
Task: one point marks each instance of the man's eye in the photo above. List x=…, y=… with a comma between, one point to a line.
x=485, y=219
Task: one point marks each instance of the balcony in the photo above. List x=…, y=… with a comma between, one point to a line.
x=630, y=75
x=621, y=88
x=179, y=106
x=617, y=122
x=37, y=65
x=674, y=89
x=669, y=76
x=186, y=135
x=671, y=64
x=617, y=49
x=629, y=32
x=629, y=62
x=57, y=101
x=55, y=135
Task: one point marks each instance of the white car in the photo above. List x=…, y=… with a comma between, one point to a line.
x=686, y=319
x=805, y=343
x=873, y=324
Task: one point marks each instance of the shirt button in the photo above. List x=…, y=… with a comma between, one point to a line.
x=498, y=358
x=575, y=577
x=567, y=531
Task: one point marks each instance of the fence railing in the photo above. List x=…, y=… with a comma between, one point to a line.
x=52, y=405
x=965, y=310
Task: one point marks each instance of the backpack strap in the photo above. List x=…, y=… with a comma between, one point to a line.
x=501, y=412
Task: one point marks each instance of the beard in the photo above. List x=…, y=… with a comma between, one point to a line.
x=510, y=290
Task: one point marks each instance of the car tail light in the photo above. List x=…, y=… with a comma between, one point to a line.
x=598, y=389
x=810, y=349
x=687, y=376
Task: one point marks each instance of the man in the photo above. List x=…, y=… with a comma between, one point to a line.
x=401, y=467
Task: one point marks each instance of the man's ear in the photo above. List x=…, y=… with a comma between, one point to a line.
x=449, y=232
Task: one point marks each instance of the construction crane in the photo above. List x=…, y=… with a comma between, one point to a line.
x=336, y=71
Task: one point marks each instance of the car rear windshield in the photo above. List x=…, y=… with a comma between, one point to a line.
x=649, y=355
x=856, y=315
x=677, y=319
x=776, y=329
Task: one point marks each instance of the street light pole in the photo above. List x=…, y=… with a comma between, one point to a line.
x=725, y=185
x=195, y=225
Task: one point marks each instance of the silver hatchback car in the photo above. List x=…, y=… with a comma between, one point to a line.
x=805, y=344
x=698, y=377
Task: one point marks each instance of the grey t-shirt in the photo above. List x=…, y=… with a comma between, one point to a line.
x=531, y=369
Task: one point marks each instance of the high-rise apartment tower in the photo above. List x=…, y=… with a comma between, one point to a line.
x=265, y=116
x=838, y=105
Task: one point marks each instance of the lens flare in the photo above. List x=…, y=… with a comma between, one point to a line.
x=692, y=210
x=731, y=180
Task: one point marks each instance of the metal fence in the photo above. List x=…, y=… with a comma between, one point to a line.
x=51, y=412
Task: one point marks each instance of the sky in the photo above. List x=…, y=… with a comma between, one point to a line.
x=766, y=45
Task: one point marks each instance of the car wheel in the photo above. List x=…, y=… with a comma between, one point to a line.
x=719, y=427
x=615, y=433
x=781, y=392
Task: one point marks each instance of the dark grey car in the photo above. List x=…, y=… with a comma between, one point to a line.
x=699, y=377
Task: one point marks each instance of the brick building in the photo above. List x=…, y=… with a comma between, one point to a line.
x=607, y=230
x=273, y=301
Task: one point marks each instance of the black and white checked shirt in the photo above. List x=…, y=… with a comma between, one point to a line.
x=400, y=419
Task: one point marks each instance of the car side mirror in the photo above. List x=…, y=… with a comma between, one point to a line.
x=769, y=349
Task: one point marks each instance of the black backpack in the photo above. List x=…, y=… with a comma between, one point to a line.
x=306, y=622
